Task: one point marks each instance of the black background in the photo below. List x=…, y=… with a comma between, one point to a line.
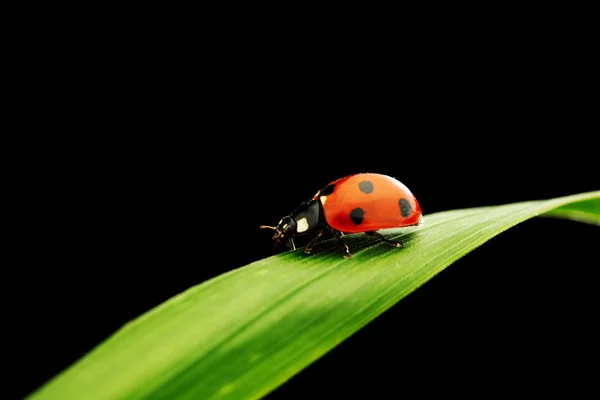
x=173, y=163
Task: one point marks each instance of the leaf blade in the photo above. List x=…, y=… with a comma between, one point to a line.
x=587, y=211
x=242, y=334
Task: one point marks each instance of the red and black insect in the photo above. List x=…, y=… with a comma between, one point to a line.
x=365, y=202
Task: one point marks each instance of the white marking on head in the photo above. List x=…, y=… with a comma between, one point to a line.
x=323, y=199
x=301, y=225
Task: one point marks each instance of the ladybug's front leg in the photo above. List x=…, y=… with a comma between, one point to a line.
x=291, y=245
x=312, y=243
x=336, y=235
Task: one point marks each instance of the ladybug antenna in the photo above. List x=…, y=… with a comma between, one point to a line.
x=278, y=233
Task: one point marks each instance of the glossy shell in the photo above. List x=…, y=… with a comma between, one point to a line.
x=368, y=202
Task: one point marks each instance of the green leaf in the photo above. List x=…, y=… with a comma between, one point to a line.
x=242, y=334
x=583, y=211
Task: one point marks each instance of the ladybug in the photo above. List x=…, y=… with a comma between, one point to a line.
x=358, y=203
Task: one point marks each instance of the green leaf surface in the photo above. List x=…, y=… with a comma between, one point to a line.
x=583, y=211
x=242, y=334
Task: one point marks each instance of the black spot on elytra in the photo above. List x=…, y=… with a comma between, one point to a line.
x=357, y=215
x=365, y=186
x=405, y=208
x=327, y=190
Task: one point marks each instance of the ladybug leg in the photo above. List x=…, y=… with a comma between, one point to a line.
x=336, y=235
x=291, y=244
x=312, y=243
x=384, y=239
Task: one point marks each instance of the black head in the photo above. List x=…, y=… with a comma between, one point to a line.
x=284, y=231
x=304, y=219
